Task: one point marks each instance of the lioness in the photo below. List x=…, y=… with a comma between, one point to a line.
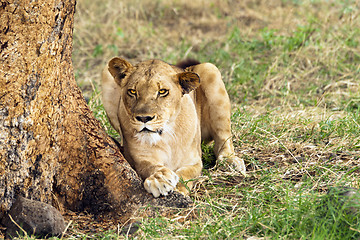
x=163, y=112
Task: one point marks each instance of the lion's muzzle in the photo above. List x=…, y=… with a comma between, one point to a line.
x=144, y=119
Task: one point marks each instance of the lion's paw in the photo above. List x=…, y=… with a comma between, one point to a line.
x=236, y=162
x=161, y=182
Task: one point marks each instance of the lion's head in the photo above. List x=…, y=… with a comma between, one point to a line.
x=151, y=94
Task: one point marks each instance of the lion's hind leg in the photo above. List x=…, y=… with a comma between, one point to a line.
x=216, y=113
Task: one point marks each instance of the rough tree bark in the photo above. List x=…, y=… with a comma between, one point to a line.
x=51, y=147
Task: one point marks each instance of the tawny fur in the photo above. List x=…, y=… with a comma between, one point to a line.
x=163, y=112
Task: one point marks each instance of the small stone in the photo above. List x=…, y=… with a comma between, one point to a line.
x=36, y=218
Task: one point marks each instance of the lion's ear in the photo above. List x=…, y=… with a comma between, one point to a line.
x=188, y=81
x=119, y=68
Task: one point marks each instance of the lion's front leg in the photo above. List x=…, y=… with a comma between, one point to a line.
x=187, y=174
x=158, y=179
x=161, y=182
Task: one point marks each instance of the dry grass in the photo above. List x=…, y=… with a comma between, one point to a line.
x=292, y=71
x=147, y=29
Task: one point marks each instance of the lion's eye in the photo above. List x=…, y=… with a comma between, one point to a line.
x=163, y=92
x=131, y=92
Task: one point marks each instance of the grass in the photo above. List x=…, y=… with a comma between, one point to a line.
x=292, y=72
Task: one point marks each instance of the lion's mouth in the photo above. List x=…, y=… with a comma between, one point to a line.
x=146, y=130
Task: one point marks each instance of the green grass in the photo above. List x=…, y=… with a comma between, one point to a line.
x=276, y=212
x=292, y=72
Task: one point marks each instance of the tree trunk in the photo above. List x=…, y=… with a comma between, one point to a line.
x=51, y=147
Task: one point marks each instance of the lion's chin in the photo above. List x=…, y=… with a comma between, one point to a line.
x=148, y=137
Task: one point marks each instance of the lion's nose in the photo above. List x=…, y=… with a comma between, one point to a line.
x=144, y=119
